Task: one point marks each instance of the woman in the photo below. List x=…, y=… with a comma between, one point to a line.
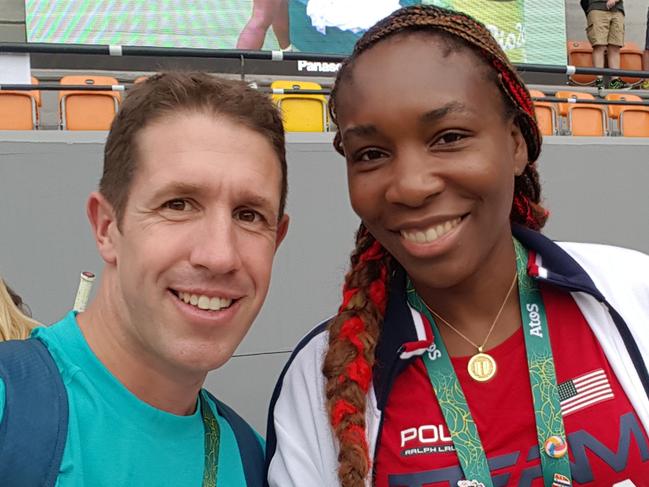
x=15, y=322
x=469, y=349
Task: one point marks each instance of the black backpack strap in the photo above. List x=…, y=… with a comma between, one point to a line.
x=251, y=451
x=34, y=423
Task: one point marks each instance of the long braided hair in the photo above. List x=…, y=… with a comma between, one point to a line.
x=355, y=330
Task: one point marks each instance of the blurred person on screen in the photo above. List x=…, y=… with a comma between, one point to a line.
x=469, y=349
x=16, y=322
x=264, y=14
x=605, y=32
x=187, y=219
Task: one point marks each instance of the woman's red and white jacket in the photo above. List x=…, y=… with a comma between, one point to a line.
x=609, y=284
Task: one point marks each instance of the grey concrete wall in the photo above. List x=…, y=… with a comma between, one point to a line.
x=595, y=188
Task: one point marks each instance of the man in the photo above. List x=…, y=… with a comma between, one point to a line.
x=188, y=216
x=605, y=31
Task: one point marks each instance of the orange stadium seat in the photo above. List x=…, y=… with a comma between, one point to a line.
x=631, y=59
x=580, y=54
x=614, y=110
x=563, y=107
x=636, y=117
x=583, y=119
x=634, y=122
x=546, y=114
x=37, y=94
x=301, y=113
x=20, y=109
x=587, y=120
x=87, y=110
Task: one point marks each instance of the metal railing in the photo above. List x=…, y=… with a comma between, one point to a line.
x=151, y=51
x=590, y=101
x=121, y=87
x=119, y=50
x=60, y=87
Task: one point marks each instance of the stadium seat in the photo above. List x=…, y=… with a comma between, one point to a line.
x=546, y=114
x=580, y=54
x=634, y=122
x=37, y=95
x=87, y=110
x=563, y=107
x=583, y=119
x=614, y=110
x=587, y=120
x=20, y=109
x=631, y=59
x=301, y=113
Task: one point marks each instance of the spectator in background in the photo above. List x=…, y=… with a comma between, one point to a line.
x=605, y=31
x=15, y=320
x=187, y=219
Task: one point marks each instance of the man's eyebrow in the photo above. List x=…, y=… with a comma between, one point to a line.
x=178, y=188
x=439, y=113
x=257, y=201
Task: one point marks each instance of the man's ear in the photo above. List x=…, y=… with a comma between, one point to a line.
x=282, y=229
x=104, y=226
x=520, y=149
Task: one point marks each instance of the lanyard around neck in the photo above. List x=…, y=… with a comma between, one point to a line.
x=212, y=443
x=547, y=409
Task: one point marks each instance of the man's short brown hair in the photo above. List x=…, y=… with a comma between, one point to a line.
x=168, y=94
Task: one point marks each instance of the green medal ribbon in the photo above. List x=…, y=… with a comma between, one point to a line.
x=547, y=409
x=448, y=391
x=212, y=443
x=551, y=435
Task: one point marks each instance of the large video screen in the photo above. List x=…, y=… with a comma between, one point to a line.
x=530, y=31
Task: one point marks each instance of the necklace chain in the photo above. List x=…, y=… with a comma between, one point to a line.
x=493, y=323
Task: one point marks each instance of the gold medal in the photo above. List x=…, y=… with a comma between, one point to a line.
x=482, y=367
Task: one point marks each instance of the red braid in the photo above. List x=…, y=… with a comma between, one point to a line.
x=528, y=213
x=520, y=94
x=340, y=410
x=353, y=335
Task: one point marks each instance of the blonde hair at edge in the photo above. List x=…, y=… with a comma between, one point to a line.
x=14, y=324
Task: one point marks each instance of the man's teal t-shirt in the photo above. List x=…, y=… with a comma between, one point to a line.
x=114, y=438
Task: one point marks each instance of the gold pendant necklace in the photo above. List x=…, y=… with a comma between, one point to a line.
x=482, y=366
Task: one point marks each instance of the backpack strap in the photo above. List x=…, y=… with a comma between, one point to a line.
x=34, y=424
x=250, y=450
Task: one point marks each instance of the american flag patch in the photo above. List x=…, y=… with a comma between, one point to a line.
x=584, y=391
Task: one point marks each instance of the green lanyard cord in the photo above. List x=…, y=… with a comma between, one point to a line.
x=551, y=435
x=212, y=443
x=547, y=409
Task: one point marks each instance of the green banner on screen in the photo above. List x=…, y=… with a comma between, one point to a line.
x=530, y=31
